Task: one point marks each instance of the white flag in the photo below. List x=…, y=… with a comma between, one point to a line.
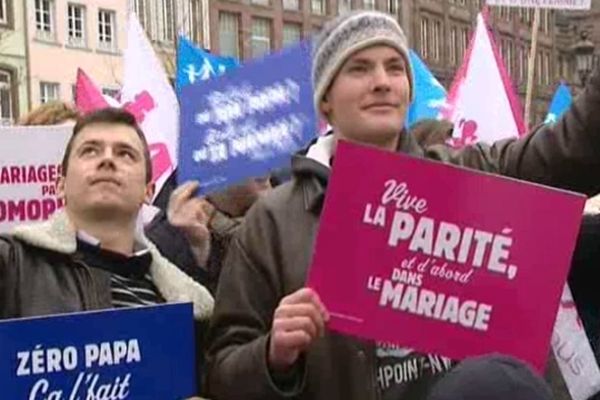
x=148, y=95
x=482, y=103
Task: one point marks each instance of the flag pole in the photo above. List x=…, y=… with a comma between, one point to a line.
x=531, y=66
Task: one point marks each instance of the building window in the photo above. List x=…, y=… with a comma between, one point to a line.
x=436, y=37
x=452, y=51
x=261, y=36
x=318, y=7
x=563, y=66
x=261, y=2
x=106, y=30
x=539, y=68
x=510, y=51
x=424, y=38
x=291, y=5
x=229, y=34
x=520, y=63
x=44, y=19
x=76, y=25
x=464, y=41
x=112, y=92
x=506, y=47
x=392, y=6
x=369, y=4
x=291, y=33
x=143, y=12
x=546, y=17
x=344, y=6
x=49, y=91
x=167, y=23
x=546, y=67
x=6, y=97
x=4, y=12
x=193, y=21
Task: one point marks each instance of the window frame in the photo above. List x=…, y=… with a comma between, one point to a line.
x=44, y=85
x=261, y=39
x=73, y=40
x=41, y=32
x=103, y=44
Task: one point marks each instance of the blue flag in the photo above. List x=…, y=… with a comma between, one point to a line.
x=430, y=95
x=133, y=353
x=247, y=122
x=195, y=65
x=560, y=103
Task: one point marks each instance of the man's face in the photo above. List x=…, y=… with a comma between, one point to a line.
x=106, y=172
x=368, y=98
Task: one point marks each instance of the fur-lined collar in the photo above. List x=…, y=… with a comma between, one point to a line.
x=58, y=234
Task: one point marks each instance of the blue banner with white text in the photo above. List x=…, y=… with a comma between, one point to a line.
x=134, y=353
x=247, y=122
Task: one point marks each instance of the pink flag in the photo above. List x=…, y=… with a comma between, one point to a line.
x=88, y=97
x=482, y=102
x=148, y=95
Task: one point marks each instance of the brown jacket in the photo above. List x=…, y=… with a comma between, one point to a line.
x=271, y=253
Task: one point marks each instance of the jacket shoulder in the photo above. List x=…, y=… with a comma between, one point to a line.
x=279, y=200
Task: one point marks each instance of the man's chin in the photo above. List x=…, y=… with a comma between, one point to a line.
x=109, y=207
x=380, y=136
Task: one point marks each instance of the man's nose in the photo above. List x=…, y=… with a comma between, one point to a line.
x=107, y=158
x=381, y=79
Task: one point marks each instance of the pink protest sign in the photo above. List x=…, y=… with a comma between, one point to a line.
x=442, y=259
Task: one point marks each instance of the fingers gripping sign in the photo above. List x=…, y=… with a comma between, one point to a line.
x=297, y=322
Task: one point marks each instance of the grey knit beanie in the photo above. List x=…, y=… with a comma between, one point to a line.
x=347, y=34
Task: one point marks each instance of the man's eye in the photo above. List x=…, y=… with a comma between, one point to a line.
x=127, y=154
x=357, y=68
x=89, y=151
x=398, y=68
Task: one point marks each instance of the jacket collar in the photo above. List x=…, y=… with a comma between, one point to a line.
x=314, y=168
x=59, y=235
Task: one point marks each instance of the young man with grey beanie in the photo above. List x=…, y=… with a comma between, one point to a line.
x=268, y=337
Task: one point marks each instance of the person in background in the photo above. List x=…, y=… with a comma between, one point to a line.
x=51, y=113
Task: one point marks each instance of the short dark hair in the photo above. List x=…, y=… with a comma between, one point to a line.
x=108, y=115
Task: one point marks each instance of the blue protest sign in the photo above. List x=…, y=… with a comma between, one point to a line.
x=134, y=353
x=429, y=94
x=247, y=122
x=195, y=65
x=560, y=103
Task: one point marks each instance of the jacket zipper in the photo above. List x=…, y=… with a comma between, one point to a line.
x=90, y=297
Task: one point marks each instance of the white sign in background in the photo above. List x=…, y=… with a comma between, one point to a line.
x=558, y=4
x=30, y=160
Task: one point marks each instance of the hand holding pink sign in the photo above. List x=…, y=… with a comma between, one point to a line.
x=442, y=259
x=299, y=319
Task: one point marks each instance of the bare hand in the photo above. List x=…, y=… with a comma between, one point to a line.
x=190, y=214
x=298, y=320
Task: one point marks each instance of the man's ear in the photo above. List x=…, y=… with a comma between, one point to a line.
x=325, y=108
x=60, y=188
x=149, y=193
